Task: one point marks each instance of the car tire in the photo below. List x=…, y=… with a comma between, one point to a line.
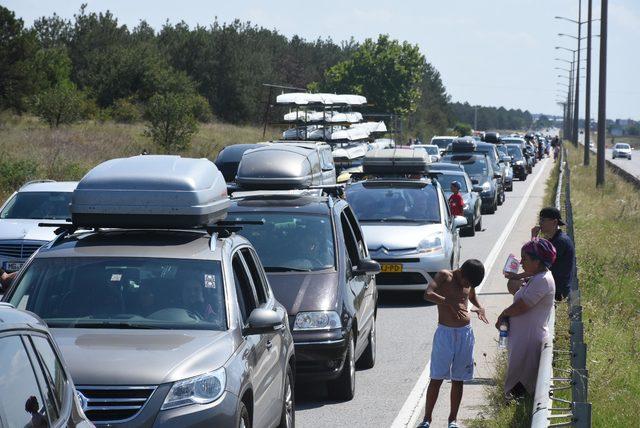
x=494, y=207
x=344, y=387
x=478, y=227
x=288, y=416
x=368, y=358
x=501, y=198
x=244, y=421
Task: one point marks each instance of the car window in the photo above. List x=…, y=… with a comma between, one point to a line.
x=327, y=159
x=124, y=292
x=446, y=180
x=22, y=404
x=247, y=300
x=255, y=268
x=38, y=205
x=349, y=241
x=355, y=229
x=290, y=241
x=53, y=369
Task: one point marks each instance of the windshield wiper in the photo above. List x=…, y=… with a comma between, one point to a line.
x=111, y=324
x=284, y=269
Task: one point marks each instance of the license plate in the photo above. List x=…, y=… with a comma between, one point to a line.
x=390, y=268
x=12, y=266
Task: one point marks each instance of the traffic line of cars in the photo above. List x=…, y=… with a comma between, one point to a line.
x=180, y=295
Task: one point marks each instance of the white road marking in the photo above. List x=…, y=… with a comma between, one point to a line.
x=414, y=404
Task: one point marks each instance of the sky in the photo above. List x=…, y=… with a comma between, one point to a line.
x=489, y=52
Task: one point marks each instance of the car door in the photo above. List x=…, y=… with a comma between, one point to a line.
x=258, y=356
x=275, y=362
x=356, y=284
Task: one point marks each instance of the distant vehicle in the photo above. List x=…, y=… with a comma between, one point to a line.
x=472, y=200
x=405, y=220
x=480, y=170
x=33, y=203
x=505, y=159
x=518, y=161
x=36, y=388
x=431, y=149
x=163, y=314
x=442, y=142
x=621, y=150
x=492, y=137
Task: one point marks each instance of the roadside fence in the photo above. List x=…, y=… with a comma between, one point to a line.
x=548, y=410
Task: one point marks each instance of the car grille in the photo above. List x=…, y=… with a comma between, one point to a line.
x=19, y=249
x=400, y=278
x=114, y=403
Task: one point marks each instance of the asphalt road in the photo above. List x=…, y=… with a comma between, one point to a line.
x=405, y=331
x=632, y=166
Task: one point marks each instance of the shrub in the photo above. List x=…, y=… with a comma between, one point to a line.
x=171, y=121
x=60, y=104
x=201, y=109
x=15, y=172
x=462, y=129
x=124, y=110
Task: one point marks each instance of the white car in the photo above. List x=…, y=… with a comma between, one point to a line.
x=442, y=142
x=432, y=150
x=621, y=150
x=35, y=202
x=407, y=228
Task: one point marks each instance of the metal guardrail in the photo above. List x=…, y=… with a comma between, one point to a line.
x=577, y=411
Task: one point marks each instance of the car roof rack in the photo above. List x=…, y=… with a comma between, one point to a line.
x=28, y=183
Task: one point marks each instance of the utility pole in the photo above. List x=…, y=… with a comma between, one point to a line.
x=602, y=93
x=576, y=113
x=587, y=94
x=475, y=118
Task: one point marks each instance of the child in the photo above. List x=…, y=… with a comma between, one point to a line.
x=452, y=351
x=456, y=203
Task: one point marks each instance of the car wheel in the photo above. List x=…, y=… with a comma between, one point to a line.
x=478, y=227
x=368, y=358
x=245, y=420
x=501, y=198
x=344, y=387
x=288, y=417
x=494, y=206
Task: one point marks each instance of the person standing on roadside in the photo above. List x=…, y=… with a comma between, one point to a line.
x=452, y=351
x=456, y=203
x=562, y=269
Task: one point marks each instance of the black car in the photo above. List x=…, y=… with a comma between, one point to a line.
x=318, y=265
x=472, y=200
x=518, y=161
x=499, y=166
x=480, y=169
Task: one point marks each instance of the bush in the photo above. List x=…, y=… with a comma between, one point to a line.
x=201, y=109
x=14, y=173
x=124, y=110
x=462, y=129
x=60, y=104
x=172, y=123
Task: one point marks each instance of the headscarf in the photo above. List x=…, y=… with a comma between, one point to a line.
x=541, y=249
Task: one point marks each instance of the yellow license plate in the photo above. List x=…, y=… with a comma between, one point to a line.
x=390, y=268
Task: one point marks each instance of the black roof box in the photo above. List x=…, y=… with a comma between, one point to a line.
x=396, y=161
x=463, y=145
x=491, y=137
x=229, y=158
x=150, y=192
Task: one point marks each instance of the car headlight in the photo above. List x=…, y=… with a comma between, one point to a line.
x=520, y=162
x=317, y=320
x=202, y=389
x=430, y=245
x=486, y=186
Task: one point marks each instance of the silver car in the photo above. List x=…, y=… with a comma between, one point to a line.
x=621, y=150
x=408, y=229
x=164, y=327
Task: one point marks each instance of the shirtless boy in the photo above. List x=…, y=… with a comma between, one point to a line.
x=452, y=351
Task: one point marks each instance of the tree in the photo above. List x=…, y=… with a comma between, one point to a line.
x=462, y=129
x=171, y=121
x=60, y=104
x=387, y=72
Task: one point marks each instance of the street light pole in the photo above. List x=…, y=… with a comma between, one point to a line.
x=576, y=113
x=570, y=100
x=602, y=93
x=587, y=93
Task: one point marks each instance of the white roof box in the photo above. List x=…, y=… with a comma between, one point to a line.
x=304, y=98
x=151, y=192
x=396, y=161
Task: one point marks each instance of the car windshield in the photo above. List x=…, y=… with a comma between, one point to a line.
x=394, y=203
x=290, y=241
x=622, y=146
x=128, y=293
x=38, y=205
x=472, y=167
x=446, y=180
x=432, y=150
x=515, y=152
x=442, y=142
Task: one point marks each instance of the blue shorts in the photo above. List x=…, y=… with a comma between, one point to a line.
x=452, y=353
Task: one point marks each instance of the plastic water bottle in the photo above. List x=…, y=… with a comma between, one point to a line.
x=504, y=335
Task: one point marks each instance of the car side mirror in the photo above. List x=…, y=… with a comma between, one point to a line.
x=262, y=321
x=474, y=181
x=476, y=188
x=459, y=221
x=366, y=266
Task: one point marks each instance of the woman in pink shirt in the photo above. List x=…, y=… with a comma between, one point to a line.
x=528, y=317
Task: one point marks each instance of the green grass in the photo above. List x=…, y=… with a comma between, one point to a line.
x=69, y=152
x=607, y=227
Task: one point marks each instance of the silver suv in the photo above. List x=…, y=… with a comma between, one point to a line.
x=33, y=203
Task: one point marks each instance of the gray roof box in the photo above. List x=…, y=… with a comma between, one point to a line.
x=280, y=166
x=150, y=192
x=396, y=161
x=229, y=158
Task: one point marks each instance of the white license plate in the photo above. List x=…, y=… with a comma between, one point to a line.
x=12, y=266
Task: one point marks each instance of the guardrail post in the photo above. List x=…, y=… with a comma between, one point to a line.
x=576, y=330
x=582, y=415
x=580, y=384
x=579, y=356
